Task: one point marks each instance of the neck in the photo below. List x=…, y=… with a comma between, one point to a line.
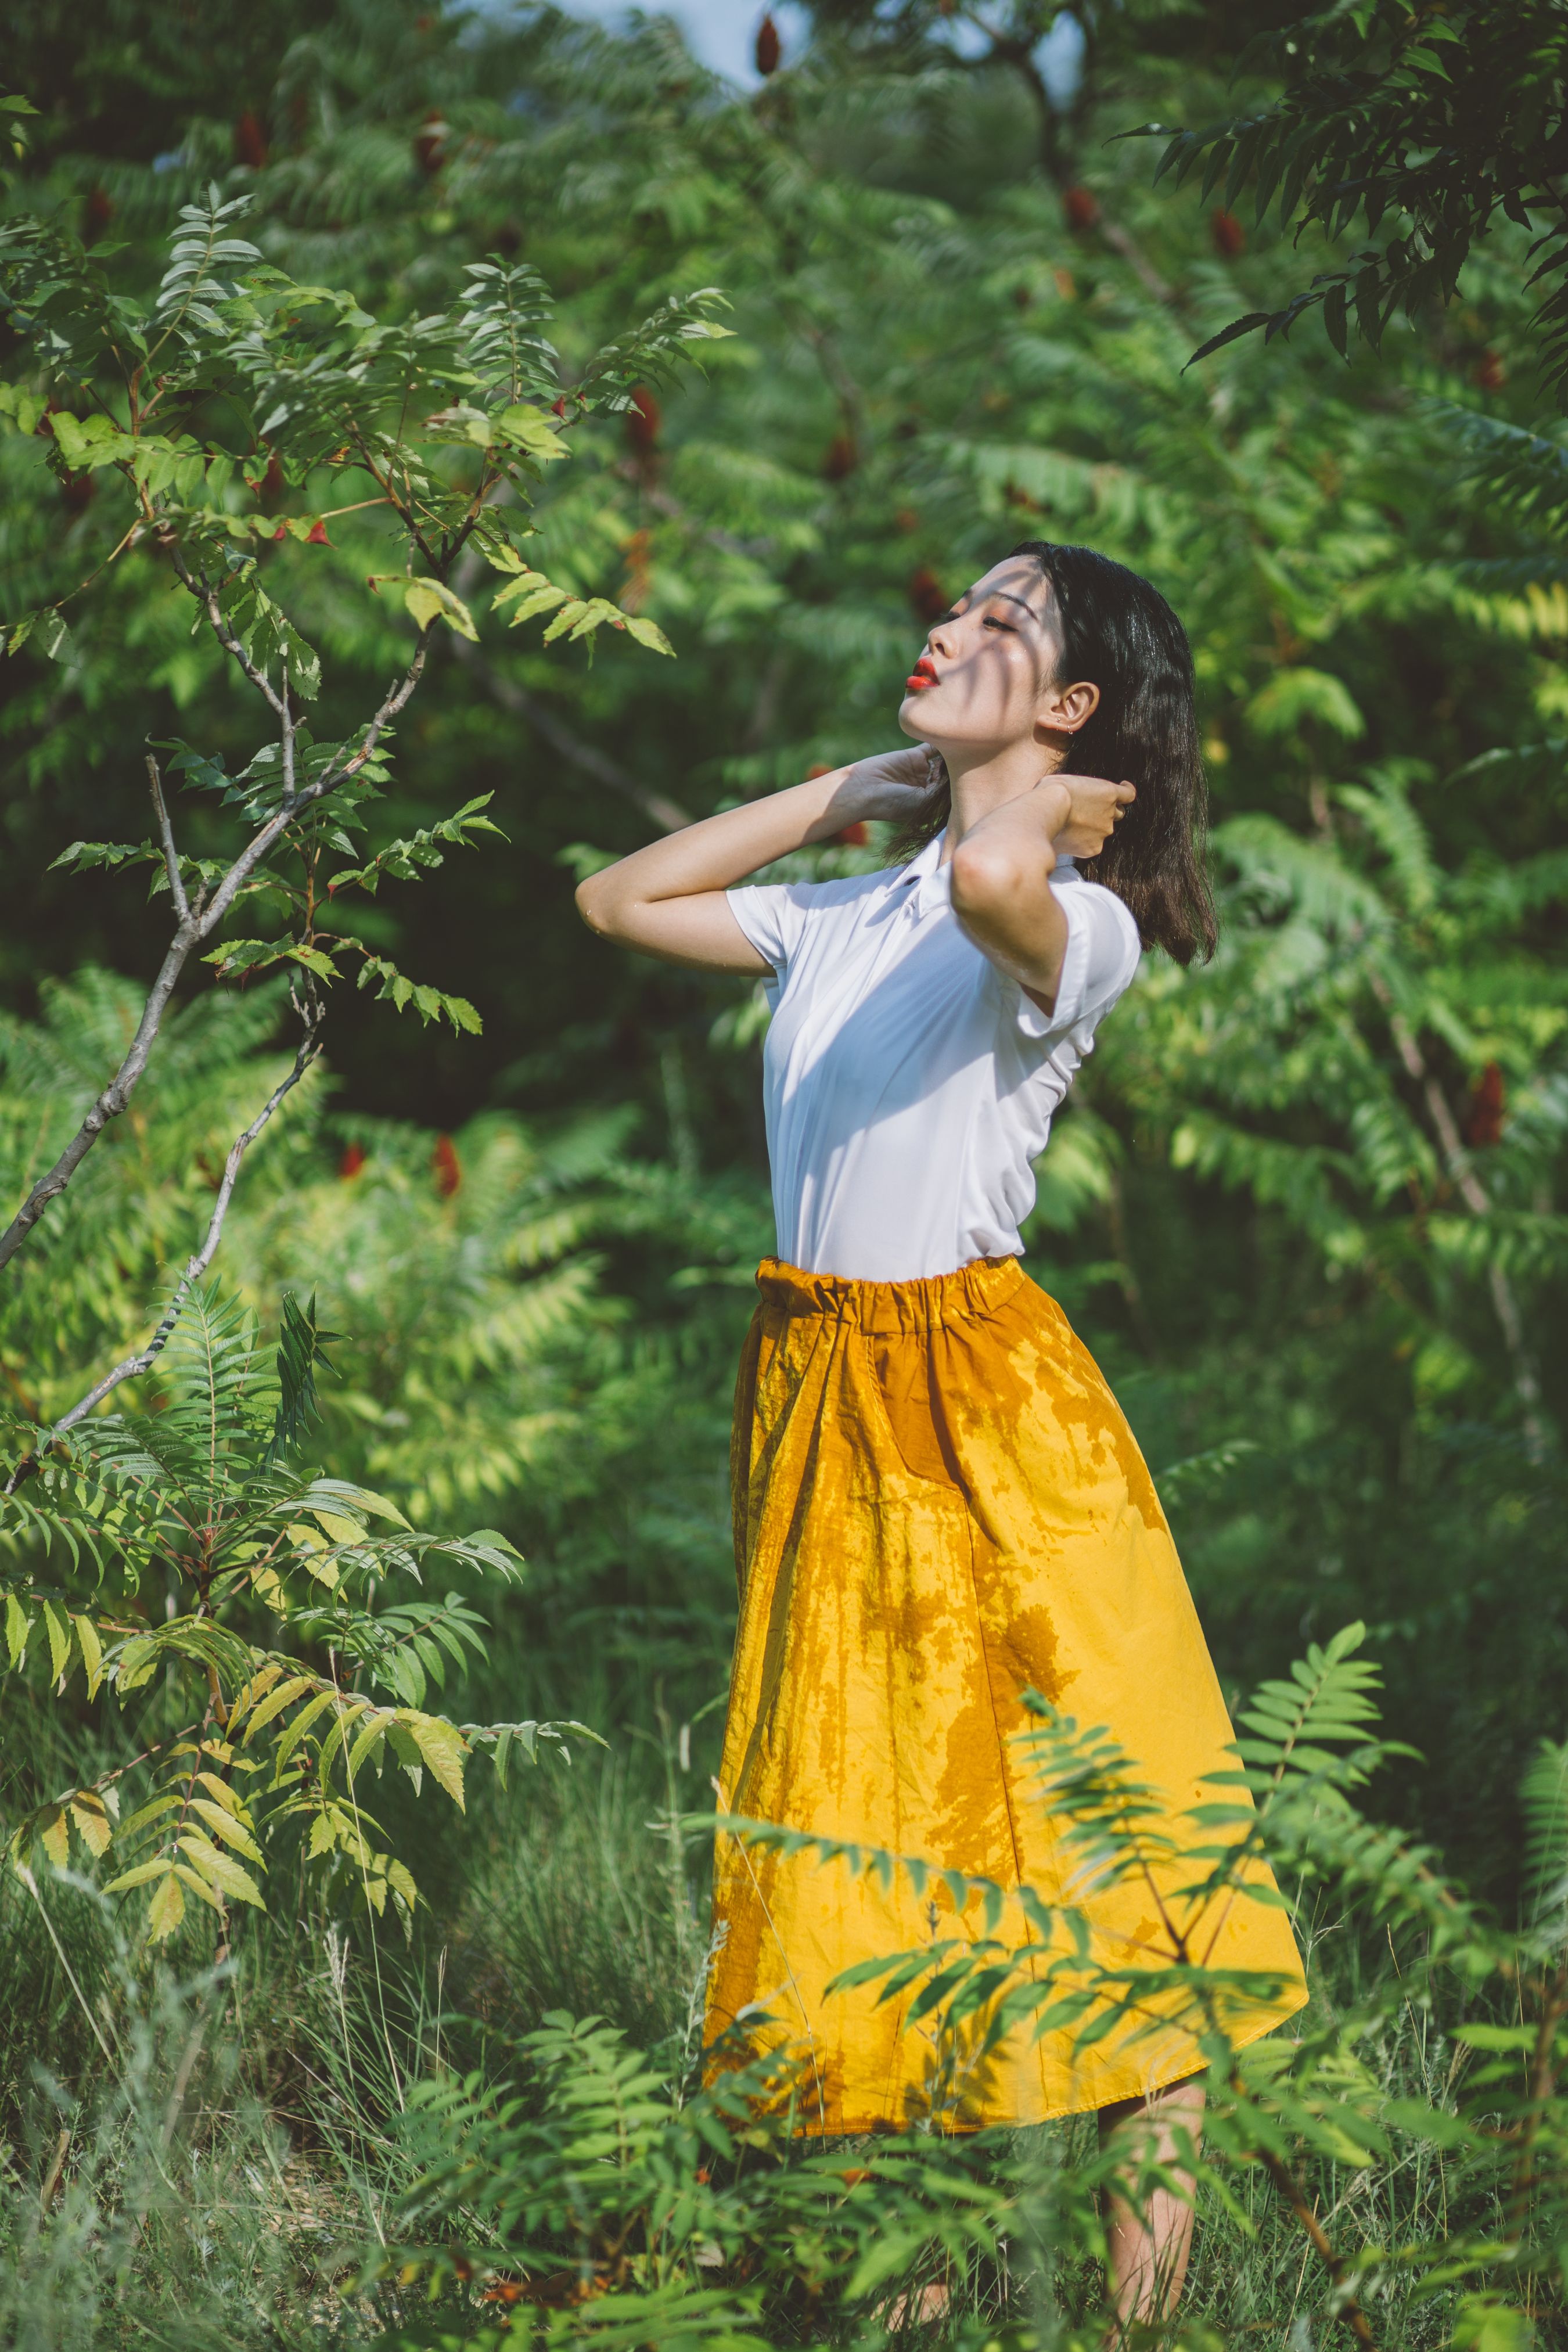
x=984, y=780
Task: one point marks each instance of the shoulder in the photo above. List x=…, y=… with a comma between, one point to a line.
x=1107, y=918
x=783, y=919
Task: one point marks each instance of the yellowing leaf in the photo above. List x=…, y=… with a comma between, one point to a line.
x=267, y=1585
x=91, y=1818
x=226, y=1797
x=167, y=1908
x=59, y=1628
x=379, y=1505
x=429, y=600
x=220, y=1869
x=441, y=1745
x=223, y=1825
x=198, y=1885
x=56, y=1838
x=341, y=1529
x=538, y=600
x=248, y=1692
x=91, y=1653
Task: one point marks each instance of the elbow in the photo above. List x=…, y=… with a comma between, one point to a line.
x=983, y=881
x=597, y=905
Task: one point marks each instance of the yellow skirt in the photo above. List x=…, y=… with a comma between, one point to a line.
x=938, y=1507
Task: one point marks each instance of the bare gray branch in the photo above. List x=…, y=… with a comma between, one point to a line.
x=207, y=597
x=309, y=1047
x=166, y=836
x=195, y=925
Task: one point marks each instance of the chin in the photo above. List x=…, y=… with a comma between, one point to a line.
x=911, y=719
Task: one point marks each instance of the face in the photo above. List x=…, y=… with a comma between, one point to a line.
x=988, y=677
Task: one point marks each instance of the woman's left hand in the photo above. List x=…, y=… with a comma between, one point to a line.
x=1093, y=810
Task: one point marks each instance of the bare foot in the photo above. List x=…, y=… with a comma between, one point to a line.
x=923, y=2307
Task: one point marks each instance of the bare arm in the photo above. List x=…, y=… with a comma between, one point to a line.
x=669, y=898
x=1001, y=875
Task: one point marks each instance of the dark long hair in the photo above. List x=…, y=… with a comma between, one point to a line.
x=1120, y=633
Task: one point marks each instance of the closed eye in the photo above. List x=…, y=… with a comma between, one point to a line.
x=991, y=622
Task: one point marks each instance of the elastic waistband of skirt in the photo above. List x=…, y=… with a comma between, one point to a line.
x=887, y=1308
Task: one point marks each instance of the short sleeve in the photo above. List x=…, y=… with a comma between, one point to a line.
x=773, y=915
x=1102, y=954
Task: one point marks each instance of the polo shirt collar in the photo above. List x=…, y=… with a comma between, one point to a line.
x=919, y=868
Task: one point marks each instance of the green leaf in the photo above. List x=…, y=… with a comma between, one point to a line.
x=283, y=1695
x=1237, y=327
x=94, y=441
x=649, y=634
x=525, y=427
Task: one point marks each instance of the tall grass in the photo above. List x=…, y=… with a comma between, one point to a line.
x=198, y=2157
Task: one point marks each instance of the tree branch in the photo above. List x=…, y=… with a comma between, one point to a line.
x=207, y=597
x=166, y=835
x=313, y=1014
x=112, y=1100
x=195, y=925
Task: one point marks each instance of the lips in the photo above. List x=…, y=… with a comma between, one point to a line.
x=922, y=674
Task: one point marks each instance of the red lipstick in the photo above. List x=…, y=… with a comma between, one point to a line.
x=922, y=674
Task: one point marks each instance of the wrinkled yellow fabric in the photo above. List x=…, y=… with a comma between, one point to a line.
x=939, y=1505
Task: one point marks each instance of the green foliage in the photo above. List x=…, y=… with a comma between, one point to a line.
x=615, y=2188
x=299, y=386
x=200, y=1499
x=1423, y=124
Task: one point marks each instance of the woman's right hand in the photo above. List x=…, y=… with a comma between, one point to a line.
x=668, y=898
x=892, y=787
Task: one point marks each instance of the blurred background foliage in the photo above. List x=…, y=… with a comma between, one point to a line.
x=1305, y=1205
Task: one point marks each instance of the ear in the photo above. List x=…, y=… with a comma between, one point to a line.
x=1065, y=709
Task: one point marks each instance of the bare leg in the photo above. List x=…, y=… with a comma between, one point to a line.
x=1148, y=2247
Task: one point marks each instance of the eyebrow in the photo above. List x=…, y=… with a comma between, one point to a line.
x=1007, y=599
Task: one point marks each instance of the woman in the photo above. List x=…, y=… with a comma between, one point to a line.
x=938, y=1503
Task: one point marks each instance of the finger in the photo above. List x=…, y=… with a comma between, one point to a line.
x=1125, y=791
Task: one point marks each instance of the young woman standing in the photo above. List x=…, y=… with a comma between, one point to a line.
x=938, y=1502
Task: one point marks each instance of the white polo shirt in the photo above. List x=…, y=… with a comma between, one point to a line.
x=908, y=1084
